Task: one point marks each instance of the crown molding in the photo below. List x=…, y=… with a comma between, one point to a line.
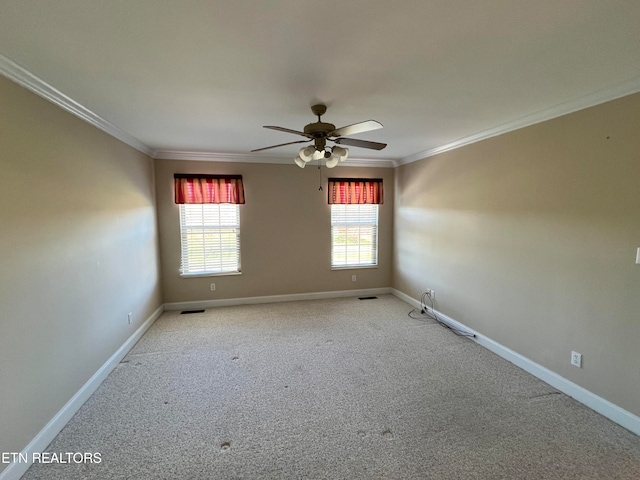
x=370, y=162
x=23, y=77
x=212, y=157
x=245, y=158
x=620, y=90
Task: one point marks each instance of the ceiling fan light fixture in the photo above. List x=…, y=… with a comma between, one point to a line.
x=299, y=161
x=318, y=154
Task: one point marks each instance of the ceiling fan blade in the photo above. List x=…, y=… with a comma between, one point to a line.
x=281, y=145
x=355, y=128
x=354, y=142
x=288, y=130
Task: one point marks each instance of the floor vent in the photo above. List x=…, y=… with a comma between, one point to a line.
x=184, y=312
x=367, y=298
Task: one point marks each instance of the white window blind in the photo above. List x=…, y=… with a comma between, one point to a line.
x=354, y=235
x=210, y=238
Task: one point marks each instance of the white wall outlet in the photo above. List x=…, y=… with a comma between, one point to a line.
x=576, y=359
x=431, y=293
x=638, y=256
x=213, y=287
x=353, y=278
x=129, y=317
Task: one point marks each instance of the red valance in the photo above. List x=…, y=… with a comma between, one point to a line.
x=355, y=191
x=208, y=188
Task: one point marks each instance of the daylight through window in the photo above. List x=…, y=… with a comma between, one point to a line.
x=210, y=238
x=354, y=235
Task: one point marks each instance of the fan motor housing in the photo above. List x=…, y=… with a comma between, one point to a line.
x=319, y=129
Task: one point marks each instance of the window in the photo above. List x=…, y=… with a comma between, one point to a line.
x=209, y=222
x=354, y=235
x=210, y=238
x=354, y=221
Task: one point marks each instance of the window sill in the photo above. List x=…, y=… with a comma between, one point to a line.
x=197, y=275
x=354, y=267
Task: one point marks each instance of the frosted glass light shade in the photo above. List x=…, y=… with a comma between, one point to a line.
x=306, y=153
x=341, y=153
x=299, y=161
x=332, y=161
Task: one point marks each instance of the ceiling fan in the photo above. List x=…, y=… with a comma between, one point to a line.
x=320, y=132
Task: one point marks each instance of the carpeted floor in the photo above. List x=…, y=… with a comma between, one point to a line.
x=335, y=389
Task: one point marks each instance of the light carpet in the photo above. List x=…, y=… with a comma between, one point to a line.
x=335, y=389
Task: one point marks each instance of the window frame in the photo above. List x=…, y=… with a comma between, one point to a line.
x=218, y=226
x=346, y=223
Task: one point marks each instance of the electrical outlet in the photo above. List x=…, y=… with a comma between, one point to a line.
x=213, y=287
x=430, y=293
x=129, y=317
x=576, y=359
x=353, y=278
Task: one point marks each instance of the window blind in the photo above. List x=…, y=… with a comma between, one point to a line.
x=210, y=238
x=354, y=235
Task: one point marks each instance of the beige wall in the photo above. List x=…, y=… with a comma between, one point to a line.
x=78, y=251
x=530, y=238
x=285, y=233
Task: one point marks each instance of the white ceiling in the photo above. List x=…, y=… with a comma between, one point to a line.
x=205, y=76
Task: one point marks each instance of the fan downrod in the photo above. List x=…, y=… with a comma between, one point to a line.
x=320, y=129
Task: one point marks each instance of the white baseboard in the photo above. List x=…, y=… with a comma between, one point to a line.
x=604, y=407
x=42, y=440
x=275, y=299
